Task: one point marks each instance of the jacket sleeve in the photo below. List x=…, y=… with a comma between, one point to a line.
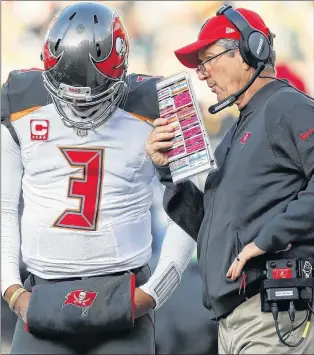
x=182, y=202
x=293, y=147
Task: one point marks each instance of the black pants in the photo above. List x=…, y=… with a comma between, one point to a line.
x=139, y=340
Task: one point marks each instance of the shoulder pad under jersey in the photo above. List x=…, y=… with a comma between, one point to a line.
x=141, y=98
x=23, y=93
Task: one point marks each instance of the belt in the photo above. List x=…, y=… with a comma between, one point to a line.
x=119, y=273
x=252, y=290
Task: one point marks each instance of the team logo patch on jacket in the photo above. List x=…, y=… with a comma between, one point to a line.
x=246, y=136
x=306, y=135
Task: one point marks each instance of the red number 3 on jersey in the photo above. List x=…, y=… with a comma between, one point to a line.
x=87, y=188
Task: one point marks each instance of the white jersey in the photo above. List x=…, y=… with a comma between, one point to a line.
x=86, y=199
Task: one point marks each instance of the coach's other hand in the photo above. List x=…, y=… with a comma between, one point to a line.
x=158, y=141
x=249, y=251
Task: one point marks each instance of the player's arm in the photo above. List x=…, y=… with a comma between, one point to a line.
x=11, y=175
x=22, y=93
x=176, y=253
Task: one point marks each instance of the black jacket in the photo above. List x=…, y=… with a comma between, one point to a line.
x=262, y=192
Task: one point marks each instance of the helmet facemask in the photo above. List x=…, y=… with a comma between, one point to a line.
x=79, y=111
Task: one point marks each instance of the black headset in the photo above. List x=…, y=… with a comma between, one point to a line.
x=254, y=46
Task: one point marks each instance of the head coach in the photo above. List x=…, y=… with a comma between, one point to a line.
x=254, y=223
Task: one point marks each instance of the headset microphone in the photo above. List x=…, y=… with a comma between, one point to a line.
x=232, y=98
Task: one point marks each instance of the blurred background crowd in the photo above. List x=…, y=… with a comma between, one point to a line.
x=156, y=29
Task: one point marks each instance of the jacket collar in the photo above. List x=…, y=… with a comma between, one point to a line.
x=261, y=96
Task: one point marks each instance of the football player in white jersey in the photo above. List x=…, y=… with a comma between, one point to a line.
x=81, y=167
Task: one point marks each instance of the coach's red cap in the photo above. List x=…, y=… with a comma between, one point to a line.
x=216, y=28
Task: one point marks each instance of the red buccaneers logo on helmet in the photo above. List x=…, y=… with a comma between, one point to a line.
x=50, y=61
x=115, y=63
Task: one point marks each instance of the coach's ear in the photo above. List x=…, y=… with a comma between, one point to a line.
x=93, y=305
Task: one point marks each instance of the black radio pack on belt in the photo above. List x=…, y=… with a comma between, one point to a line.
x=287, y=280
x=288, y=286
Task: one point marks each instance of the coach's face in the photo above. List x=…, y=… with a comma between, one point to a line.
x=226, y=73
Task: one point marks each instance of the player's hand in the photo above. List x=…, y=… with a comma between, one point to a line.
x=158, y=141
x=21, y=305
x=143, y=302
x=249, y=251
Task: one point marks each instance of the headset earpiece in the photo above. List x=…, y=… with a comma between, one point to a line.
x=254, y=48
x=259, y=46
x=253, y=45
x=243, y=55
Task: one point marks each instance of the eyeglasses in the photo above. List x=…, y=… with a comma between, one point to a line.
x=201, y=67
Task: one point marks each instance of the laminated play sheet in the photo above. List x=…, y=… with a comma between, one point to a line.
x=192, y=152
